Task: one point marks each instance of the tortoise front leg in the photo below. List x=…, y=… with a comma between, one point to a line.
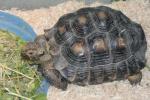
x=135, y=79
x=55, y=78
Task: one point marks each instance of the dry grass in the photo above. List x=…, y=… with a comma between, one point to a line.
x=137, y=10
x=17, y=78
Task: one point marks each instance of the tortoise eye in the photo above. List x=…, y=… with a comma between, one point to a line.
x=121, y=42
x=99, y=45
x=78, y=48
x=82, y=20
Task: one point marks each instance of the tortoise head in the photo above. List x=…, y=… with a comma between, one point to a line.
x=31, y=51
x=36, y=51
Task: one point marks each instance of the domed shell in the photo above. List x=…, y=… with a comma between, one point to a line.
x=98, y=44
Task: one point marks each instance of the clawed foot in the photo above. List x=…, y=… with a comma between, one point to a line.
x=135, y=79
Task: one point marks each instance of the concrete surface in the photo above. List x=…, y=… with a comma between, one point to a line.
x=36, y=4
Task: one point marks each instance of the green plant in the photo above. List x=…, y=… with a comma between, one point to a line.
x=18, y=81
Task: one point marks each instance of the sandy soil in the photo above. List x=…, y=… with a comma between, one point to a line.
x=137, y=10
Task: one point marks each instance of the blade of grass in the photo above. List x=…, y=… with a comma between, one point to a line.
x=13, y=78
x=5, y=67
x=17, y=95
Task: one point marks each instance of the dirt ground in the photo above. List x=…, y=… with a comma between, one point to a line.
x=137, y=10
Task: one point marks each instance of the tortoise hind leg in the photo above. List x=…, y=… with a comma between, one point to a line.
x=135, y=79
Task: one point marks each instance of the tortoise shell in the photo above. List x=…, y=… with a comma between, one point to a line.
x=91, y=46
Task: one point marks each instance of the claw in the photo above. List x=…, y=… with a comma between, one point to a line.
x=135, y=79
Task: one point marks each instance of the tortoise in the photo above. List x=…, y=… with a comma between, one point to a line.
x=90, y=46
